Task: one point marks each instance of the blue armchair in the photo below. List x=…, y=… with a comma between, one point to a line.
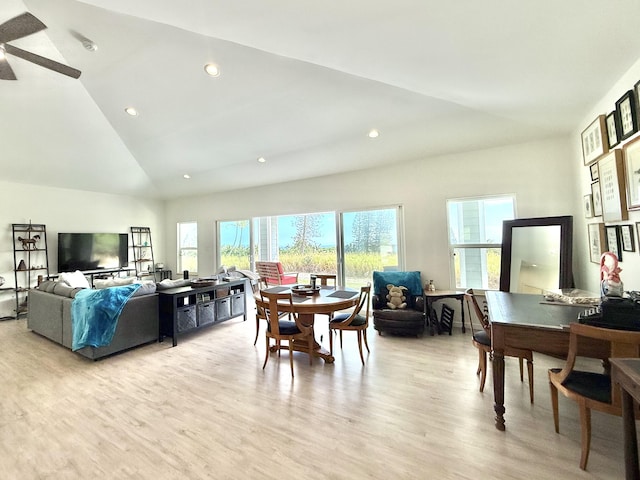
x=408, y=321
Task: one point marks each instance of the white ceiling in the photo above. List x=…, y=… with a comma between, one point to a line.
x=302, y=83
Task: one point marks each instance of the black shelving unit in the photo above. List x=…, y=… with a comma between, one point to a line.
x=142, y=246
x=30, y=260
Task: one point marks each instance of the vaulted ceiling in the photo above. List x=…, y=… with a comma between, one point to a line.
x=301, y=84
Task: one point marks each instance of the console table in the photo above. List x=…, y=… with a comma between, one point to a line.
x=626, y=372
x=185, y=309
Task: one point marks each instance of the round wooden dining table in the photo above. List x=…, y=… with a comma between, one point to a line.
x=325, y=301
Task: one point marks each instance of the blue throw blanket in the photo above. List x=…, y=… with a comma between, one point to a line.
x=95, y=313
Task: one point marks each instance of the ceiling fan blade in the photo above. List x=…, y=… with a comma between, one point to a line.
x=19, y=27
x=6, y=72
x=42, y=61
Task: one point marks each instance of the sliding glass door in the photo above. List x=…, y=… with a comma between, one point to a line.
x=349, y=244
x=370, y=243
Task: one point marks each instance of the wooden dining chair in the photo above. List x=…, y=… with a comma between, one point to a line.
x=591, y=390
x=481, y=339
x=356, y=320
x=287, y=330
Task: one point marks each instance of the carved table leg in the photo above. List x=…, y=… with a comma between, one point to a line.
x=498, y=388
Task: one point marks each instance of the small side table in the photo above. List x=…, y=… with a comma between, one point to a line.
x=626, y=372
x=436, y=295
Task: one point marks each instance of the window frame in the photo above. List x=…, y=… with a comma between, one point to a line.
x=182, y=249
x=475, y=245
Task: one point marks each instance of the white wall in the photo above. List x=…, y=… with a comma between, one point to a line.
x=589, y=273
x=535, y=172
x=64, y=210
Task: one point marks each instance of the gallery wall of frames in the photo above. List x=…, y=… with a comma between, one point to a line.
x=611, y=151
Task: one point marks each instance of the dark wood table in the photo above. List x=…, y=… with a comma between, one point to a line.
x=435, y=295
x=626, y=372
x=526, y=321
x=326, y=301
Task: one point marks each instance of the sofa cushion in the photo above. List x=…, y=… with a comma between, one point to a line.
x=47, y=286
x=74, y=279
x=180, y=282
x=147, y=287
x=65, y=290
x=100, y=283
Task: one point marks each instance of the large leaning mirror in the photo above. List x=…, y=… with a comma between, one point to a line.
x=536, y=254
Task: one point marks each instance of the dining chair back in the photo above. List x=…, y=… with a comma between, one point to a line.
x=591, y=390
x=481, y=339
x=357, y=320
x=446, y=319
x=273, y=274
x=279, y=329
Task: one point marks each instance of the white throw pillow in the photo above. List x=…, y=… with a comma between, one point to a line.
x=113, y=282
x=74, y=279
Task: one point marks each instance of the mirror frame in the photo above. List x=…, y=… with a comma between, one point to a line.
x=565, y=279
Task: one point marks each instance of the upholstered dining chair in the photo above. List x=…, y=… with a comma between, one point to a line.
x=481, y=339
x=287, y=330
x=261, y=314
x=591, y=390
x=357, y=320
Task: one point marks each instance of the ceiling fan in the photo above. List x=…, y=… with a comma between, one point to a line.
x=19, y=27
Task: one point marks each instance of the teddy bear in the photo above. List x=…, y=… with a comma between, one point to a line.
x=396, y=297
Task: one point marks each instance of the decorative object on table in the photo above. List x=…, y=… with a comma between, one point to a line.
x=631, y=152
x=613, y=240
x=597, y=199
x=613, y=127
x=594, y=140
x=203, y=282
x=305, y=289
x=430, y=286
x=396, y=297
x=614, y=197
x=626, y=107
x=22, y=266
x=593, y=169
x=587, y=203
x=627, y=238
x=596, y=241
x=610, y=283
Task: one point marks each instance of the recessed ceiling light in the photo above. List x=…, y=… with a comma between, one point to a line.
x=187, y=176
x=89, y=45
x=131, y=111
x=212, y=69
x=373, y=133
x=261, y=160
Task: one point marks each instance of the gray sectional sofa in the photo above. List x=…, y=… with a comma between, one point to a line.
x=50, y=316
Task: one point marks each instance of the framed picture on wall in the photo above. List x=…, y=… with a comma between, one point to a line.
x=612, y=191
x=631, y=152
x=613, y=126
x=613, y=241
x=596, y=241
x=626, y=108
x=597, y=199
x=627, y=240
x=587, y=203
x=593, y=168
x=594, y=140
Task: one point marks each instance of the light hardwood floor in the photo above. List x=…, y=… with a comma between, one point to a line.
x=206, y=409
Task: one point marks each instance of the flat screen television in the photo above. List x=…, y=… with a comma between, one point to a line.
x=92, y=251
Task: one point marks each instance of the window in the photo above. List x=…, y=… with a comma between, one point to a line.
x=188, y=247
x=234, y=240
x=475, y=239
x=370, y=240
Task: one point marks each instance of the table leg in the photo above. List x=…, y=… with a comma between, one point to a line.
x=630, y=439
x=498, y=388
x=464, y=330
